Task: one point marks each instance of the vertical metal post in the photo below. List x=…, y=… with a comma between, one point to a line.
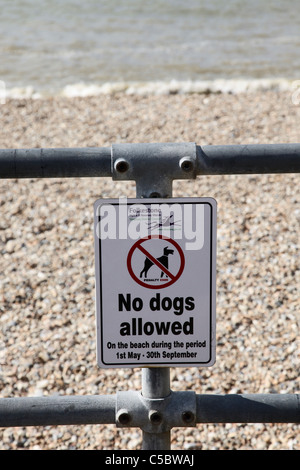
x=156, y=380
x=156, y=384
x=154, y=167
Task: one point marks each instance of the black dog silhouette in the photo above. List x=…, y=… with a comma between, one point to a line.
x=162, y=259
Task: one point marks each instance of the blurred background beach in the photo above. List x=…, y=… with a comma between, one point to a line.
x=78, y=48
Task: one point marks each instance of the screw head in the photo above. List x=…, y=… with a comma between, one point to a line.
x=123, y=417
x=155, y=417
x=121, y=165
x=186, y=164
x=188, y=416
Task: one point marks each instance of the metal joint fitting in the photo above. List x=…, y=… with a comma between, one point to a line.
x=154, y=166
x=156, y=415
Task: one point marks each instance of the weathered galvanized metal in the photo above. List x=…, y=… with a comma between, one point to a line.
x=156, y=409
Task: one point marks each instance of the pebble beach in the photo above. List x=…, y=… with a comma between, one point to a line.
x=47, y=276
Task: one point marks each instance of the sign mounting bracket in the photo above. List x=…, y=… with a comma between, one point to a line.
x=154, y=166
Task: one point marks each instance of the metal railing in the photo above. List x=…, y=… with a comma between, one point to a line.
x=209, y=159
x=156, y=409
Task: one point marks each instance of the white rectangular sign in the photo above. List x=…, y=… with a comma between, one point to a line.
x=155, y=265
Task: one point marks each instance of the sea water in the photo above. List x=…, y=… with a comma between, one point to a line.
x=81, y=48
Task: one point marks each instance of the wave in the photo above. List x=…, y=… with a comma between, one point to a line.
x=232, y=86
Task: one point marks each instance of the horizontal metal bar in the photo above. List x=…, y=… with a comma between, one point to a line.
x=101, y=409
x=58, y=410
x=55, y=163
x=248, y=159
x=97, y=162
x=252, y=408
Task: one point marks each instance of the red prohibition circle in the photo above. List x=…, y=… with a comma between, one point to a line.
x=138, y=244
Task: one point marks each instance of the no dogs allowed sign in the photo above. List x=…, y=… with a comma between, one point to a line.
x=155, y=282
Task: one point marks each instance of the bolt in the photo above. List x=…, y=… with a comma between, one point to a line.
x=154, y=195
x=155, y=417
x=123, y=417
x=186, y=164
x=121, y=165
x=188, y=417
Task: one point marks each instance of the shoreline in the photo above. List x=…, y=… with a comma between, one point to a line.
x=156, y=87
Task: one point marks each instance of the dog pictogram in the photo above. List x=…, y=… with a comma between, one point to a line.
x=164, y=260
x=146, y=253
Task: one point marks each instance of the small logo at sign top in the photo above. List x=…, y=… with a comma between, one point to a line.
x=155, y=262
